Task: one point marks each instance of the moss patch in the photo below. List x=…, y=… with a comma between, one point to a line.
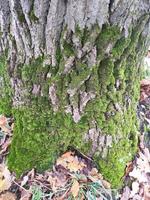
x=40, y=135
x=31, y=13
x=117, y=158
x=5, y=88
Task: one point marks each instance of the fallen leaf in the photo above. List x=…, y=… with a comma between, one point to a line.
x=6, y=129
x=93, y=172
x=62, y=162
x=71, y=162
x=74, y=166
x=126, y=193
x=56, y=181
x=31, y=174
x=8, y=196
x=95, y=176
x=25, y=180
x=5, y=178
x=145, y=82
x=129, y=168
x=3, y=121
x=12, y=126
x=75, y=188
x=135, y=189
x=67, y=154
x=137, y=197
x=25, y=195
x=81, y=177
x=5, y=146
x=135, y=173
x=106, y=184
x=4, y=125
x=147, y=192
x=65, y=159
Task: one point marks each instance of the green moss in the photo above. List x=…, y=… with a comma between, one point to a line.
x=83, y=72
x=1, y=33
x=87, y=35
x=5, y=88
x=34, y=71
x=32, y=15
x=80, y=34
x=119, y=47
x=40, y=135
x=83, y=35
x=106, y=74
x=21, y=18
x=108, y=35
x=68, y=49
x=58, y=55
x=113, y=168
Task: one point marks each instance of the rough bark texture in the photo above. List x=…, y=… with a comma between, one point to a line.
x=70, y=75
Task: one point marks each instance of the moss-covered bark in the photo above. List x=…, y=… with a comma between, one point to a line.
x=87, y=101
x=5, y=87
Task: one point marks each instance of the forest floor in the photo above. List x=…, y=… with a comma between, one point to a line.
x=74, y=175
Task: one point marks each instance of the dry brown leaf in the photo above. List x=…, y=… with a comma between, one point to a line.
x=12, y=126
x=25, y=195
x=129, y=168
x=31, y=174
x=8, y=196
x=65, y=159
x=75, y=188
x=94, y=175
x=62, y=162
x=67, y=154
x=5, y=178
x=4, y=125
x=126, y=193
x=64, y=195
x=145, y=82
x=147, y=192
x=71, y=162
x=83, y=178
x=3, y=121
x=93, y=172
x=106, y=184
x=39, y=177
x=135, y=173
x=135, y=189
x=56, y=182
x=5, y=146
x=143, y=162
x=5, y=129
x=74, y=166
x=94, y=178
x=24, y=181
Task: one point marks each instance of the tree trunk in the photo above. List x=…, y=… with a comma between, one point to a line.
x=70, y=74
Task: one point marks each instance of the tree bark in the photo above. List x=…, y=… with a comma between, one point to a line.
x=70, y=74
